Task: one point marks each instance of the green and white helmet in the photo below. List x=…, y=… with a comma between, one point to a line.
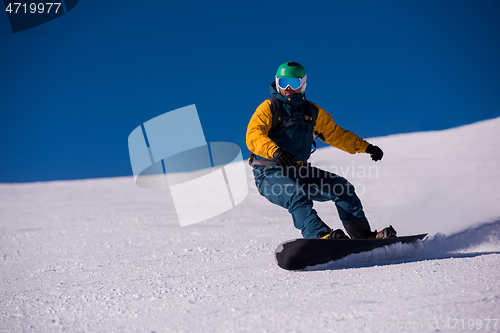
x=291, y=74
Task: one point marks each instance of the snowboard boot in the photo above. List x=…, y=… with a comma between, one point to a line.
x=335, y=234
x=357, y=228
x=388, y=232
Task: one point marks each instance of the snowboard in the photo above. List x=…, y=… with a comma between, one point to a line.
x=299, y=253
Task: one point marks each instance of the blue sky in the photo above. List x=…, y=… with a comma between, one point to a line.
x=73, y=89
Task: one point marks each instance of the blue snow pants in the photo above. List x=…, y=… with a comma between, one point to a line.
x=295, y=188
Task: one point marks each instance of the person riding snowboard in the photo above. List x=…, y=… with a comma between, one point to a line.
x=280, y=134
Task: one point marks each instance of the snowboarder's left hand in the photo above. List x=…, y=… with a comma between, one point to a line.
x=375, y=152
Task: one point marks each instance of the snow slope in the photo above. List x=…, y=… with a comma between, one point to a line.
x=104, y=255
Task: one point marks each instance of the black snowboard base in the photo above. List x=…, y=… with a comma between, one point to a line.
x=299, y=253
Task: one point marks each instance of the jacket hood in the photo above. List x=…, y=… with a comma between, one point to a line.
x=293, y=100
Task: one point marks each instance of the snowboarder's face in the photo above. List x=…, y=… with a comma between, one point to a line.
x=289, y=91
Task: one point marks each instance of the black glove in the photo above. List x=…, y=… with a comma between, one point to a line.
x=375, y=152
x=284, y=158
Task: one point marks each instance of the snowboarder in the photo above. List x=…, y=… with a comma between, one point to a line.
x=280, y=135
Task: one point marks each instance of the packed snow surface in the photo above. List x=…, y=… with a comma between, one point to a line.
x=104, y=255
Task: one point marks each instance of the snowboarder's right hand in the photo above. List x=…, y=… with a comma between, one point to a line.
x=284, y=158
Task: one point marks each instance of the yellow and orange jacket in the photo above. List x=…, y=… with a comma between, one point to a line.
x=297, y=139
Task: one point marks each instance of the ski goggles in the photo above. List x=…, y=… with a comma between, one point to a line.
x=292, y=82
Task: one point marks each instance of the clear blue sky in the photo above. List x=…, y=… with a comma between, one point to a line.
x=73, y=89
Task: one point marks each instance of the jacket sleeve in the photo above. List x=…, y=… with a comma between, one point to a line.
x=257, y=140
x=338, y=137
